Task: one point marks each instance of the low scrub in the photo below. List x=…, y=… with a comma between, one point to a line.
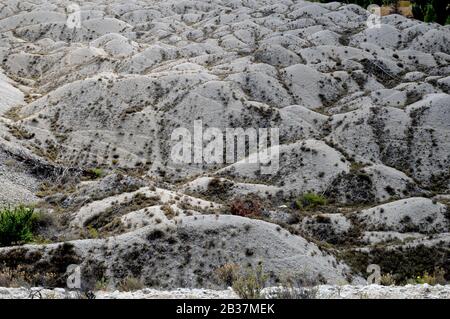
x=249, y=283
x=310, y=201
x=227, y=274
x=246, y=283
x=18, y=276
x=131, y=284
x=387, y=280
x=96, y=173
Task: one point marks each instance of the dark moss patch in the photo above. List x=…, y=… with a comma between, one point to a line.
x=218, y=188
x=324, y=232
x=352, y=188
x=155, y=234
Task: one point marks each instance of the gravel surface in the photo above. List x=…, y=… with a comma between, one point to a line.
x=320, y=292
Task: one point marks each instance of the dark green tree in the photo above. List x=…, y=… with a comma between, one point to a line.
x=440, y=10
x=430, y=15
x=419, y=9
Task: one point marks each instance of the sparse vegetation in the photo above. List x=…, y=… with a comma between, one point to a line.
x=219, y=188
x=436, y=278
x=101, y=284
x=404, y=264
x=361, y=174
x=106, y=220
x=15, y=277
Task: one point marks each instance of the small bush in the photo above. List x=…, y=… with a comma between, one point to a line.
x=310, y=201
x=96, y=173
x=16, y=225
x=42, y=220
x=101, y=284
x=219, y=188
x=248, y=284
x=387, y=280
x=245, y=207
x=93, y=233
x=131, y=284
x=155, y=234
x=227, y=273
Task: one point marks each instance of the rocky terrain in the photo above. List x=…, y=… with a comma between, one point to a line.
x=87, y=113
x=318, y=292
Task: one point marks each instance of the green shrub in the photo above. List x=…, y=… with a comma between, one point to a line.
x=310, y=200
x=93, y=233
x=16, y=225
x=96, y=172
